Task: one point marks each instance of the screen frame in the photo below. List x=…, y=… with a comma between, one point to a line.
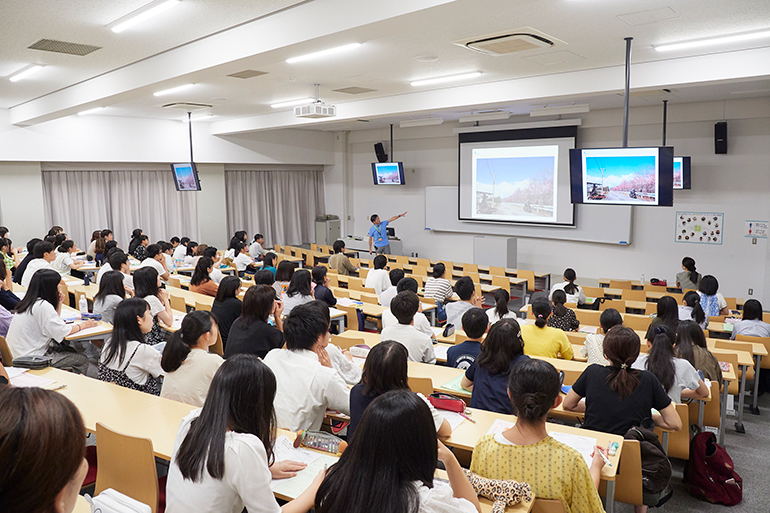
x=686, y=173
x=375, y=165
x=665, y=175
x=195, y=176
x=513, y=134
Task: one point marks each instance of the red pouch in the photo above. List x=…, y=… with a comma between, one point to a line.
x=447, y=402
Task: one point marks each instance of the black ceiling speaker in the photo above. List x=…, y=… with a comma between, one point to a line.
x=379, y=149
x=720, y=138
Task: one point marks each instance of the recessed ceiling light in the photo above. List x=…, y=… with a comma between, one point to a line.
x=441, y=80
x=90, y=111
x=714, y=41
x=323, y=53
x=142, y=14
x=24, y=72
x=421, y=122
x=426, y=58
x=173, y=90
x=292, y=103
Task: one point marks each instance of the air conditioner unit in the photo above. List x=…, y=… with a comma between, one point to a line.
x=315, y=110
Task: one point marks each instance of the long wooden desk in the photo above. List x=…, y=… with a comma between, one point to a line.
x=375, y=311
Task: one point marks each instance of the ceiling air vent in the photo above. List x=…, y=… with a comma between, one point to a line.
x=506, y=43
x=247, y=73
x=51, y=45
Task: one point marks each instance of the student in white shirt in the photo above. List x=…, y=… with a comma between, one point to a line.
x=111, y=292
x=419, y=345
x=222, y=452
x=593, y=347
x=751, y=324
x=307, y=382
x=378, y=278
x=126, y=359
x=64, y=263
x=574, y=292
x=256, y=250
x=216, y=275
x=117, y=261
x=238, y=238
x=147, y=287
x=500, y=311
x=243, y=262
x=168, y=255
x=187, y=364
x=388, y=294
x=44, y=255
x=181, y=250
x=392, y=460
x=37, y=329
x=300, y=291
x=156, y=260
x=341, y=359
x=466, y=290
x=691, y=310
x=420, y=320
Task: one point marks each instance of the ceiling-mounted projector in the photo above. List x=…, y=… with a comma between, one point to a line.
x=315, y=110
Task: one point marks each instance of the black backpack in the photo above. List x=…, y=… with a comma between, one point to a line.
x=656, y=468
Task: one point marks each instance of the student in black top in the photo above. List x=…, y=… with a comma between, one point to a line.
x=19, y=272
x=140, y=250
x=227, y=307
x=562, y=317
x=668, y=315
x=322, y=291
x=617, y=396
x=475, y=324
x=135, y=239
x=250, y=333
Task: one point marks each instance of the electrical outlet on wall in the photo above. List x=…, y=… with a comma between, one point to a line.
x=751, y=292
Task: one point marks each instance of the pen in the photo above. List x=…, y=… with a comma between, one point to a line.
x=466, y=417
x=60, y=387
x=606, y=461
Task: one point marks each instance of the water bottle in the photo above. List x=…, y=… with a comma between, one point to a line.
x=642, y=278
x=83, y=304
x=86, y=279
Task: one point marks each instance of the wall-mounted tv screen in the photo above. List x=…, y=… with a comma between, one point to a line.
x=623, y=176
x=186, y=177
x=682, y=176
x=388, y=173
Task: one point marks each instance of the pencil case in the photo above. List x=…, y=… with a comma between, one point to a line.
x=320, y=441
x=32, y=362
x=447, y=402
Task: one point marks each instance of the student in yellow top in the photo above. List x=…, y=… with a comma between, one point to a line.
x=518, y=453
x=542, y=340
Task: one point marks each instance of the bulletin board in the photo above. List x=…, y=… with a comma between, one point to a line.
x=699, y=228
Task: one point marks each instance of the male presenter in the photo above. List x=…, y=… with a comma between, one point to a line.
x=379, y=234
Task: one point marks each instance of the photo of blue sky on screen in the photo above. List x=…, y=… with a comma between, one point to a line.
x=388, y=173
x=621, y=176
x=678, y=184
x=185, y=177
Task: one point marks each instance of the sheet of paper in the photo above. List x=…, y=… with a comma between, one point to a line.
x=582, y=444
x=30, y=380
x=522, y=322
x=441, y=352
x=454, y=419
x=316, y=461
x=96, y=330
x=454, y=385
x=14, y=371
x=284, y=450
x=177, y=324
x=588, y=329
x=359, y=361
x=498, y=426
x=346, y=301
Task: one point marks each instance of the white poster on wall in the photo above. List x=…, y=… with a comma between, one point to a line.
x=756, y=229
x=699, y=227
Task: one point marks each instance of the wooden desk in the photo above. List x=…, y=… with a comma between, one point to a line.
x=190, y=269
x=375, y=311
x=190, y=298
x=102, y=328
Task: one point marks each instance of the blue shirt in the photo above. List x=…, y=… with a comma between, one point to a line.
x=380, y=234
x=490, y=391
x=463, y=355
x=271, y=269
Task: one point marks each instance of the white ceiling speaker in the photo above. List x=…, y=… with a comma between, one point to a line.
x=420, y=122
x=545, y=110
x=494, y=115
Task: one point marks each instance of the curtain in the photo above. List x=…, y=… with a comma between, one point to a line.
x=85, y=201
x=282, y=205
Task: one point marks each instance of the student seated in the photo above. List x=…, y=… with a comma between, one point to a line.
x=712, y=302
x=542, y=340
x=668, y=316
x=466, y=290
x=44, y=255
x=227, y=307
x=167, y=250
x=340, y=261
x=180, y=250
x=187, y=365
x=690, y=310
x=419, y=345
x=140, y=250
x=322, y=291
x=100, y=250
x=300, y=291
x=488, y=376
x=147, y=287
x=283, y=275
x=201, y=281
x=593, y=347
x=111, y=292
x=222, y=452
x=255, y=249
x=22, y=266
x=189, y=258
x=117, y=261
x=341, y=360
x=8, y=299
x=264, y=277
x=136, y=235
x=751, y=323
x=392, y=460
x=437, y=286
x=37, y=329
x=91, y=251
x=251, y=333
x=678, y=377
x=691, y=346
x=500, y=311
x=562, y=317
x=63, y=262
x=395, y=276
x=421, y=322
x=689, y=278
x=154, y=258
x=43, y=449
x=268, y=262
x=385, y=369
x=533, y=389
x=475, y=324
x=307, y=383
x=573, y=292
x=378, y=278
x=243, y=262
x=126, y=359
x=618, y=397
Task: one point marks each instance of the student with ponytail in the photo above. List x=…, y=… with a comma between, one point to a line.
x=574, y=292
x=690, y=309
x=678, y=377
x=500, y=311
x=562, y=318
x=188, y=366
x=691, y=346
x=689, y=278
x=533, y=389
x=541, y=340
x=618, y=397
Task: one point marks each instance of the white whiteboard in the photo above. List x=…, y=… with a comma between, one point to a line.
x=606, y=224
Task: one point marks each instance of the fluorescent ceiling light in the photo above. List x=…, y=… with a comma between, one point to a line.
x=24, y=72
x=90, y=111
x=486, y=116
x=173, y=90
x=142, y=14
x=198, y=118
x=712, y=41
x=441, y=80
x=323, y=53
x=559, y=109
x=292, y=103
x=420, y=122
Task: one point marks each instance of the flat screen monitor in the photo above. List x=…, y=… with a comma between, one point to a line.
x=186, y=177
x=623, y=176
x=388, y=173
x=682, y=174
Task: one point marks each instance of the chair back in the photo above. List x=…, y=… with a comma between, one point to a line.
x=202, y=306
x=529, y=276
x=710, y=408
x=334, y=280
x=174, y=281
x=177, y=303
x=679, y=441
x=732, y=303
x=370, y=298
x=655, y=288
x=313, y=246
x=678, y=297
x=126, y=464
x=586, y=317
x=732, y=359
x=423, y=386
x=5, y=352
x=346, y=342
x=362, y=272
x=636, y=322
x=277, y=248
x=547, y=506
x=473, y=268
x=501, y=281
x=355, y=283
x=420, y=270
x=423, y=262
x=473, y=276
x=401, y=259
x=419, y=279
x=633, y=295
x=617, y=304
x=620, y=284
x=496, y=271
x=219, y=346
x=628, y=483
x=593, y=291
x=765, y=341
x=717, y=319
x=351, y=316
x=650, y=308
x=338, y=292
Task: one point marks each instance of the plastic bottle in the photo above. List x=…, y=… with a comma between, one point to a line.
x=83, y=304
x=642, y=278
